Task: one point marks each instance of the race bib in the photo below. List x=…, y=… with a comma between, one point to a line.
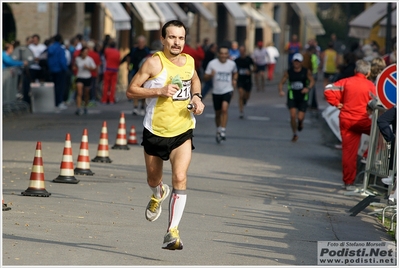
x=297, y=85
x=184, y=93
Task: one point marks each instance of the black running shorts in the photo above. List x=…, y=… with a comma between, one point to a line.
x=299, y=101
x=162, y=147
x=219, y=99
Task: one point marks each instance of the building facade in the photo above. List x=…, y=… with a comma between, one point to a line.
x=220, y=22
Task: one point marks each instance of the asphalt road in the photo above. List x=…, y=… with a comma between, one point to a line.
x=258, y=199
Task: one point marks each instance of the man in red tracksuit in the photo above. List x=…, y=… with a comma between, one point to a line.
x=352, y=95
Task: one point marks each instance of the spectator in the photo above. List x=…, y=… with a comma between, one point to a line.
x=210, y=54
x=377, y=66
x=261, y=58
x=198, y=55
x=223, y=72
x=234, y=51
x=8, y=61
x=83, y=66
x=273, y=54
x=311, y=62
x=69, y=74
x=339, y=47
x=136, y=55
x=34, y=73
x=28, y=41
x=348, y=68
x=387, y=125
x=205, y=44
x=351, y=96
x=57, y=64
x=37, y=49
x=291, y=48
x=300, y=81
x=78, y=41
x=112, y=58
x=94, y=73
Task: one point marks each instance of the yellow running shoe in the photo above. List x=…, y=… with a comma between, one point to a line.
x=172, y=240
x=154, y=207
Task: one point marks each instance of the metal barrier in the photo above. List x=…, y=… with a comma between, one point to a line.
x=377, y=167
x=10, y=83
x=378, y=158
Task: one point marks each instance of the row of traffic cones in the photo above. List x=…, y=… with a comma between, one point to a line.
x=67, y=171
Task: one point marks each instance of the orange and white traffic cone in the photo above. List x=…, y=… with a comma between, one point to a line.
x=36, y=184
x=121, y=142
x=132, y=136
x=66, y=167
x=102, y=149
x=5, y=207
x=83, y=165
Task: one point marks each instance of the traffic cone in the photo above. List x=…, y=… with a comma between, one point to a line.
x=121, y=142
x=132, y=136
x=66, y=168
x=102, y=149
x=5, y=208
x=83, y=165
x=36, y=184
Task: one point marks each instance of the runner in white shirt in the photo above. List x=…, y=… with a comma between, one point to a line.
x=261, y=59
x=223, y=72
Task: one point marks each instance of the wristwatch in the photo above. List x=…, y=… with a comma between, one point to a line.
x=198, y=95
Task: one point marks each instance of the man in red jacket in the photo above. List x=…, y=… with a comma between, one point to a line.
x=112, y=58
x=352, y=95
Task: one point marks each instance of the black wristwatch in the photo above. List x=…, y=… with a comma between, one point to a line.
x=198, y=95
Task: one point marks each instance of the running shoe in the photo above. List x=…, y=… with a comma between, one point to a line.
x=218, y=137
x=300, y=125
x=241, y=115
x=223, y=135
x=295, y=138
x=154, y=207
x=135, y=111
x=79, y=112
x=172, y=240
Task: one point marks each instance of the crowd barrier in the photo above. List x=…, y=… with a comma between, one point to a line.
x=10, y=83
x=380, y=153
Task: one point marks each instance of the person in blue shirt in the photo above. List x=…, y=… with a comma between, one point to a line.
x=234, y=51
x=57, y=64
x=8, y=61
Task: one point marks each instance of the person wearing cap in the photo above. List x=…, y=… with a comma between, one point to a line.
x=300, y=81
x=261, y=59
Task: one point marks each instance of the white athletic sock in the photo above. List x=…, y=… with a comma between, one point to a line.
x=177, y=202
x=157, y=191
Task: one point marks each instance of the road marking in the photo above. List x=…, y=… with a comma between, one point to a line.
x=258, y=118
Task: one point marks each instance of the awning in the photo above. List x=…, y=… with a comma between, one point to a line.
x=303, y=10
x=164, y=11
x=120, y=17
x=182, y=16
x=206, y=14
x=144, y=12
x=360, y=27
x=383, y=24
x=254, y=15
x=238, y=14
x=271, y=22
